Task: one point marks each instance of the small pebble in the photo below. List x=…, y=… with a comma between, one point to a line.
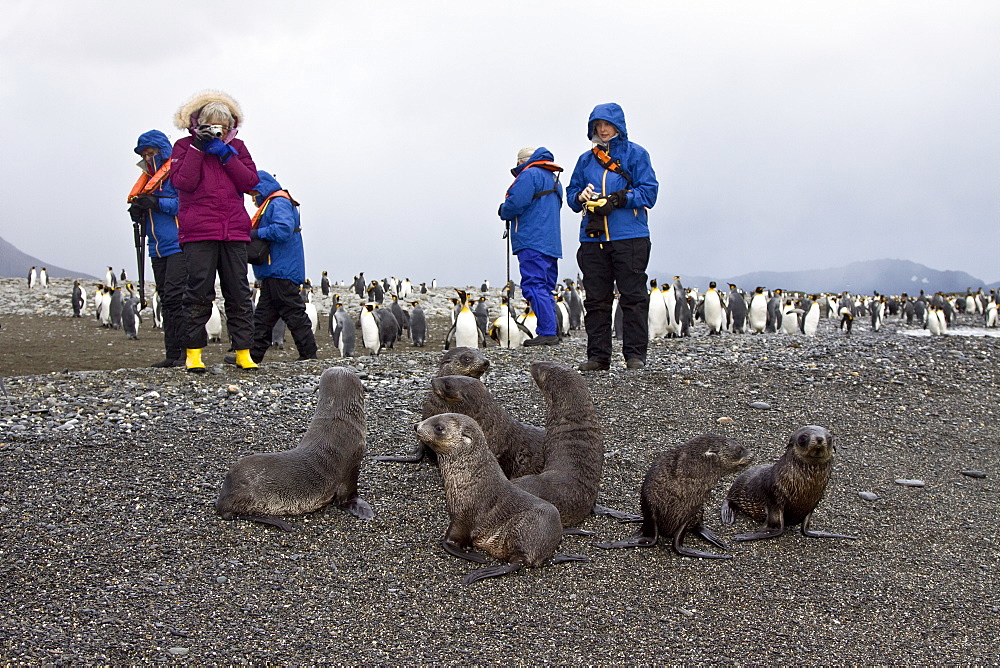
x=760, y=405
x=725, y=420
x=906, y=482
x=974, y=474
x=179, y=651
x=869, y=496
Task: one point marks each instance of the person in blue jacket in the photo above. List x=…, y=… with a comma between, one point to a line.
x=157, y=210
x=277, y=222
x=531, y=206
x=613, y=185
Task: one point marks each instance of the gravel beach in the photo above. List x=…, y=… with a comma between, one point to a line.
x=111, y=553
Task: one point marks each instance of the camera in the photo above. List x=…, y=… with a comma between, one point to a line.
x=217, y=131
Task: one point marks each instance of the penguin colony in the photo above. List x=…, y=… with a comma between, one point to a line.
x=390, y=311
x=516, y=518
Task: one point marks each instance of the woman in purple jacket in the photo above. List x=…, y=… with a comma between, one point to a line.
x=212, y=170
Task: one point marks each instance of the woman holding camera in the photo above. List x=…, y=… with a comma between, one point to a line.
x=613, y=184
x=212, y=170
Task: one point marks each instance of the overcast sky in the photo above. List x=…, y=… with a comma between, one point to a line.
x=785, y=135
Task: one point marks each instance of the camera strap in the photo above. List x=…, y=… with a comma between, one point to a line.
x=609, y=163
x=145, y=184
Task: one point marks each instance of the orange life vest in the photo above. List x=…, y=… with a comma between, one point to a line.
x=263, y=205
x=146, y=184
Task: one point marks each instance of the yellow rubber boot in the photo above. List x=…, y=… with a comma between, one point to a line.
x=193, y=361
x=243, y=359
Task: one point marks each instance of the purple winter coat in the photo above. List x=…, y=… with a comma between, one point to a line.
x=210, y=193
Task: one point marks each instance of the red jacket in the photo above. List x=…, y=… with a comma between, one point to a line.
x=210, y=193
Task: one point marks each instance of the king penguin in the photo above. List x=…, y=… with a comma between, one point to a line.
x=115, y=309
x=810, y=323
x=130, y=317
x=714, y=311
x=43, y=278
x=324, y=284
x=757, y=313
x=79, y=299
x=342, y=330
x=656, y=319
x=214, y=325
x=465, y=332
x=32, y=278
x=737, y=309
x=418, y=325
x=369, y=329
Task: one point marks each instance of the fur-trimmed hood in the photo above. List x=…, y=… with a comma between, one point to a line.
x=186, y=116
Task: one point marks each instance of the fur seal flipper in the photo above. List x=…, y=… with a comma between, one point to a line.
x=322, y=469
x=273, y=521
x=359, y=508
x=787, y=492
x=616, y=514
x=415, y=457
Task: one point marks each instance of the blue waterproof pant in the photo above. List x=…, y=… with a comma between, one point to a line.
x=539, y=273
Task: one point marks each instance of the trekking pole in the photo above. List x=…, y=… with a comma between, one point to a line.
x=139, y=231
x=507, y=286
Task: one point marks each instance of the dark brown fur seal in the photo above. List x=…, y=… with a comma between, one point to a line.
x=786, y=492
x=573, y=444
x=486, y=510
x=675, y=489
x=517, y=446
x=321, y=469
x=460, y=361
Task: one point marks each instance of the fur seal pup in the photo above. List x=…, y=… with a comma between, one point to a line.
x=321, y=469
x=572, y=444
x=518, y=446
x=785, y=493
x=460, y=361
x=675, y=489
x=487, y=511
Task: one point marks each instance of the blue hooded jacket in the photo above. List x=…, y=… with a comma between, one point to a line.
x=279, y=224
x=161, y=226
x=534, y=221
x=630, y=221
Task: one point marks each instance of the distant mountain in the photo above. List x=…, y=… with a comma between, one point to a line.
x=883, y=276
x=15, y=264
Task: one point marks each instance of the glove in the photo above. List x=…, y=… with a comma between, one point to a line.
x=136, y=213
x=604, y=209
x=253, y=234
x=618, y=199
x=595, y=227
x=215, y=146
x=147, y=202
x=199, y=142
x=587, y=193
x=220, y=149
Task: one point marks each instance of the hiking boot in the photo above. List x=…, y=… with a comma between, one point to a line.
x=230, y=358
x=166, y=364
x=550, y=340
x=243, y=359
x=594, y=365
x=635, y=363
x=193, y=361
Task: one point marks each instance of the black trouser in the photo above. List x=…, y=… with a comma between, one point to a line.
x=171, y=276
x=280, y=298
x=605, y=264
x=228, y=259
